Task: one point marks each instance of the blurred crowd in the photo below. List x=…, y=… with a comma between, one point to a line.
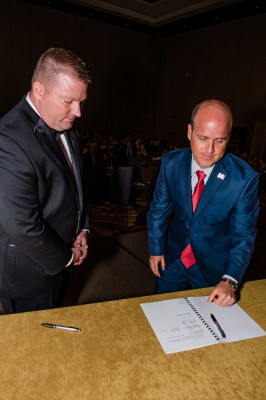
x=103, y=152
x=122, y=151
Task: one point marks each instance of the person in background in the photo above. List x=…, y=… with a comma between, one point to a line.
x=244, y=156
x=206, y=239
x=43, y=219
x=255, y=162
x=92, y=155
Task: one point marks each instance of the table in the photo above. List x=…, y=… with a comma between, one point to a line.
x=117, y=356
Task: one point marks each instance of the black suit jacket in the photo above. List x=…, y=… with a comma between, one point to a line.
x=41, y=204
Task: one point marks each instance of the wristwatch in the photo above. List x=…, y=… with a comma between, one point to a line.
x=233, y=284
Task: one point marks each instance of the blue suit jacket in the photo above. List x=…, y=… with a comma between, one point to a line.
x=222, y=230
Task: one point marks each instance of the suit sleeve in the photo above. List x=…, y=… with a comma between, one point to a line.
x=243, y=229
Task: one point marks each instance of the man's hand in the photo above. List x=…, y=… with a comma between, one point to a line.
x=155, y=263
x=80, y=248
x=223, y=295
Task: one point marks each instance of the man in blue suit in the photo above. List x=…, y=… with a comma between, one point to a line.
x=218, y=236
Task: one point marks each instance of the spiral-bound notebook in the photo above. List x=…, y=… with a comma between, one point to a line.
x=186, y=323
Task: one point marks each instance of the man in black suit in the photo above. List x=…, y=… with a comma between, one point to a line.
x=43, y=220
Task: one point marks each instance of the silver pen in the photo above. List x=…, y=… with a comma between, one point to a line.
x=66, y=328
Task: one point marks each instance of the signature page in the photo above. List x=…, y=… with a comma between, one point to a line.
x=177, y=326
x=235, y=322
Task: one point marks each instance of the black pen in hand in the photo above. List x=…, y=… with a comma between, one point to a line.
x=218, y=326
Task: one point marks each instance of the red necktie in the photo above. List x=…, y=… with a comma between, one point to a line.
x=187, y=256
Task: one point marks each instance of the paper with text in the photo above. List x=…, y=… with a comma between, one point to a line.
x=185, y=323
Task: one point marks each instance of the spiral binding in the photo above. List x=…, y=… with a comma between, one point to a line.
x=202, y=319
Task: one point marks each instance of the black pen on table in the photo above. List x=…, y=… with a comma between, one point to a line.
x=218, y=326
x=66, y=328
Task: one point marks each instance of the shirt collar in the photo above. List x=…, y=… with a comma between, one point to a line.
x=195, y=167
x=31, y=104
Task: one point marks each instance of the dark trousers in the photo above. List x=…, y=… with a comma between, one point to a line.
x=177, y=277
x=11, y=306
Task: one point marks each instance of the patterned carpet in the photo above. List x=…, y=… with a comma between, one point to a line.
x=113, y=220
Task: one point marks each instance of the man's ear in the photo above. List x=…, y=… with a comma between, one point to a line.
x=189, y=131
x=37, y=90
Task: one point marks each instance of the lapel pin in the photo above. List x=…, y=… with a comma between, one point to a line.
x=221, y=176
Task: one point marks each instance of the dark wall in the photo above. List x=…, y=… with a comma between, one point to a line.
x=226, y=62
x=141, y=84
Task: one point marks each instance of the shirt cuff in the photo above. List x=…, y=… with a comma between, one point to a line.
x=70, y=261
x=229, y=277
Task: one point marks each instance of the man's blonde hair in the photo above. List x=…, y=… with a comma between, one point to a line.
x=57, y=60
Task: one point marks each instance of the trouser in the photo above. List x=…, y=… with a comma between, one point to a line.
x=177, y=277
x=11, y=306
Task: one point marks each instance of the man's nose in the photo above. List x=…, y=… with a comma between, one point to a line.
x=210, y=147
x=76, y=109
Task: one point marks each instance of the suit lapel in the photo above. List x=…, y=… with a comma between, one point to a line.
x=74, y=151
x=214, y=183
x=43, y=134
x=185, y=182
x=50, y=145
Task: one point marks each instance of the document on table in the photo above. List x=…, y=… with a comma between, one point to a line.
x=186, y=323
